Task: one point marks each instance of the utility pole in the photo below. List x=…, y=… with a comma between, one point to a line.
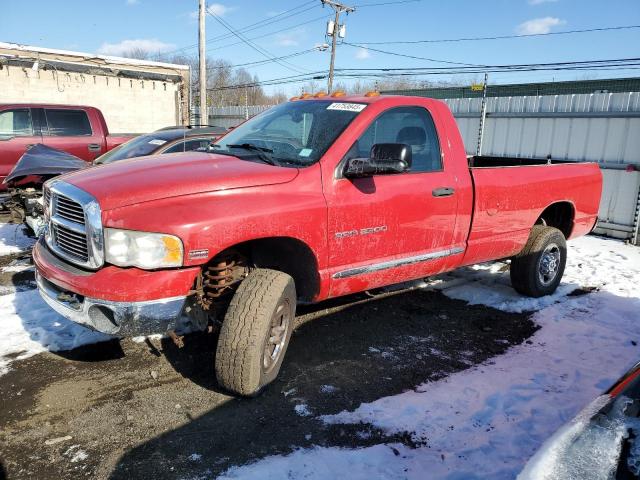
x=204, y=113
x=334, y=32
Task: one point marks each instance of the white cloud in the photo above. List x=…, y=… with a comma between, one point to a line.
x=363, y=53
x=290, y=39
x=539, y=25
x=286, y=40
x=126, y=46
x=538, y=2
x=133, y=2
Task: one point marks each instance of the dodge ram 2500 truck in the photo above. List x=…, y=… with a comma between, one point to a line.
x=314, y=198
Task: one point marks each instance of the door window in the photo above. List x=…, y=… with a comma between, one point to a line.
x=16, y=123
x=68, y=123
x=412, y=126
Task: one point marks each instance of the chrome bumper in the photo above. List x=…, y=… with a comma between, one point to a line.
x=114, y=318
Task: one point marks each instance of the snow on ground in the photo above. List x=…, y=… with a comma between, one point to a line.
x=485, y=422
x=29, y=326
x=14, y=239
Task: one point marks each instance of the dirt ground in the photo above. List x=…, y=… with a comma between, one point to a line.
x=125, y=410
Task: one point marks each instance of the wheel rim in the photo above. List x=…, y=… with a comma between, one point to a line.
x=549, y=264
x=276, y=336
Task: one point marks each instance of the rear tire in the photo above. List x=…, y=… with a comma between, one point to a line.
x=537, y=270
x=255, y=332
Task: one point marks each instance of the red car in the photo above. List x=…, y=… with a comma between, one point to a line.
x=79, y=130
x=312, y=199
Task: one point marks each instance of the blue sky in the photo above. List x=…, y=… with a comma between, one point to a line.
x=164, y=25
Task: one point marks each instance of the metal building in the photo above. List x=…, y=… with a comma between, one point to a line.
x=595, y=120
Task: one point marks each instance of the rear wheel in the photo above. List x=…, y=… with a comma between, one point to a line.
x=537, y=270
x=255, y=332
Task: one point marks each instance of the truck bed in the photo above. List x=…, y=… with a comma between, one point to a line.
x=510, y=195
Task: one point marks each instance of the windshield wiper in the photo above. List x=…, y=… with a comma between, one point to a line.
x=259, y=150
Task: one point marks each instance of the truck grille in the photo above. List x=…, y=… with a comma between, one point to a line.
x=70, y=242
x=74, y=227
x=69, y=210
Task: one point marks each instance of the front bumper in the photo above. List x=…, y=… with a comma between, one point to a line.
x=114, y=318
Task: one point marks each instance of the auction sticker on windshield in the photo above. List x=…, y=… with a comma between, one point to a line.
x=157, y=141
x=348, y=107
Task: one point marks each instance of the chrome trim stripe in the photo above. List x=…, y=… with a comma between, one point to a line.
x=401, y=262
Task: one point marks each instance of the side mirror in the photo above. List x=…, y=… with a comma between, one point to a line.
x=384, y=159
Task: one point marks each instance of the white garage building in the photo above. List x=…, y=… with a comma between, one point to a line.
x=134, y=95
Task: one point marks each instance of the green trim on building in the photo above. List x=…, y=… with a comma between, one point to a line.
x=528, y=89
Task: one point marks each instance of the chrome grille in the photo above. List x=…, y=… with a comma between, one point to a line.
x=74, y=225
x=69, y=210
x=70, y=242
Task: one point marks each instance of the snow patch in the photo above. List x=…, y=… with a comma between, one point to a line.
x=302, y=409
x=29, y=326
x=391, y=462
x=14, y=239
x=328, y=389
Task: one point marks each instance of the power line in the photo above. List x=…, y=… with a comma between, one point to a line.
x=254, y=26
x=274, y=32
x=378, y=4
x=366, y=47
x=499, y=37
x=248, y=42
x=261, y=62
x=607, y=65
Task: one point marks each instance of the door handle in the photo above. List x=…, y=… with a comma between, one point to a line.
x=443, y=192
x=94, y=147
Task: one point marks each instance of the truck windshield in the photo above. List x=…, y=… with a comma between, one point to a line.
x=294, y=134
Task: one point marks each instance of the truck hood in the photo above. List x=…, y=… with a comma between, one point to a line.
x=170, y=175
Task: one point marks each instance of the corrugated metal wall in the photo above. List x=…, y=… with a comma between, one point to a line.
x=601, y=127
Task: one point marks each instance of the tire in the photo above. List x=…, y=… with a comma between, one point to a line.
x=255, y=332
x=537, y=270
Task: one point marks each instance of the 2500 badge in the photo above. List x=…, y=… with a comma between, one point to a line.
x=362, y=231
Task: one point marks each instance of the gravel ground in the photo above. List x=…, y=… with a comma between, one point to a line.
x=123, y=409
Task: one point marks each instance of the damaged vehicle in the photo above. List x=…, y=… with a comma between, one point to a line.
x=41, y=163
x=313, y=199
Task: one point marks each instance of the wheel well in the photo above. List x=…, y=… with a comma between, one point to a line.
x=559, y=215
x=287, y=255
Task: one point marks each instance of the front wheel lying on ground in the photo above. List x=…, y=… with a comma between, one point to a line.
x=537, y=270
x=255, y=332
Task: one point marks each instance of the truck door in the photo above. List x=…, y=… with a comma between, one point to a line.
x=17, y=134
x=70, y=130
x=389, y=228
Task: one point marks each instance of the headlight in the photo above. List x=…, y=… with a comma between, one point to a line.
x=128, y=248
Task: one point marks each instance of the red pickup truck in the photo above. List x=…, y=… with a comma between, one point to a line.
x=312, y=199
x=79, y=130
